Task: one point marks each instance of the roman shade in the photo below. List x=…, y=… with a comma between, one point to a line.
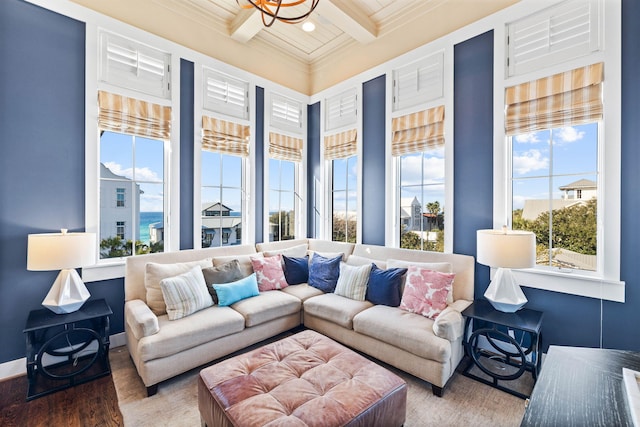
x=565, y=99
x=340, y=145
x=132, y=116
x=225, y=137
x=417, y=132
x=284, y=147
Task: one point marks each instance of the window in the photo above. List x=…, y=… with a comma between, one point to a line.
x=120, y=229
x=419, y=82
x=555, y=194
x=120, y=197
x=224, y=150
x=341, y=110
x=285, y=156
x=135, y=163
x=340, y=153
x=286, y=114
x=418, y=146
x=225, y=94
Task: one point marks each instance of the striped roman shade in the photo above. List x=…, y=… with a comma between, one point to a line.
x=340, y=145
x=570, y=98
x=225, y=137
x=418, y=132
x=284, y=147
x=132, y=116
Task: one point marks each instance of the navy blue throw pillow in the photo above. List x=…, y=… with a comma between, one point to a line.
x=384, y=286
x=324, y=272
x=296, y=270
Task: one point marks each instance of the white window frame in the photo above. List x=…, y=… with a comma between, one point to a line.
x=248, y=163
x=111, y=268
x=605, y=284
x=300, y=168
x=224, y=104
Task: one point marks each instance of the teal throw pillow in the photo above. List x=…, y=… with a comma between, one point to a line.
x=230, y=293
x=324, y=272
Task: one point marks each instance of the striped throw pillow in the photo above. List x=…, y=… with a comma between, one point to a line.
x=353, y=280
x=185, y=294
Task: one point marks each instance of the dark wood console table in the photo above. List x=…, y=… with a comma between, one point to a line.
x=581, y=387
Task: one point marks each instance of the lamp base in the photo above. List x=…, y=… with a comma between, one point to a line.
x=504, y=293
x=67, y=294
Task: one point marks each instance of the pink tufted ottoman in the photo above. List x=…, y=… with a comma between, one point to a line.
x=303, y=380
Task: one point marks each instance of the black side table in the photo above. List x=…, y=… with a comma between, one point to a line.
x=499, y=331
x=58, y=356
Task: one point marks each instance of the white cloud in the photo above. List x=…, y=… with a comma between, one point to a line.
x=151, y=203
x=527, y=138
x=569, y=134
x=530, y=161
x=142, y=174
x=433, y=170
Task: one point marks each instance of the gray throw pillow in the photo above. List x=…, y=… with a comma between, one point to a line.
x=225, y=273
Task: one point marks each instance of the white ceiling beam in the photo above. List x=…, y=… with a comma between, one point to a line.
x=246, y=25
x=350, y=20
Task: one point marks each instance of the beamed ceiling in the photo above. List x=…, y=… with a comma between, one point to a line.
x=351, y=36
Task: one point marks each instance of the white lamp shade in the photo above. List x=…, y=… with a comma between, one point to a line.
x=506, y=248
x=58, y=251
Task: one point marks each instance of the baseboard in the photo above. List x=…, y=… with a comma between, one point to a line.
x=18, y=367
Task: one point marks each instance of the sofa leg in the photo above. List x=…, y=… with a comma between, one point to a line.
x=437, y=391
x=151, y=390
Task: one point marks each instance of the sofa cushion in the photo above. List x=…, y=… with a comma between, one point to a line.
x=324, y=272
x=352, y=282
x=296, y=269
x=408, y=331
x=185, y=293
x=202, y=327
x=302, y=291
x=360, y=260
x=293, y=251
x=229, y=293
x=243, y=260
x=384, y=286
x=426, y=291
x=155, y=272
x=224, y=273
x=267, y=306
x=336, y=309
x=269, y=273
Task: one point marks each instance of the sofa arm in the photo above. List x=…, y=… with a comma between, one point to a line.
x=449, y=324
x=140, y=319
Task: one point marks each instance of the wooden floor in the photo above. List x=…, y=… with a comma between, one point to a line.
x=91, y=404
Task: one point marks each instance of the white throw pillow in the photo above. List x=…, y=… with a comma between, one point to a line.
x=352, y=282
x=155, y=272
x=185, y=294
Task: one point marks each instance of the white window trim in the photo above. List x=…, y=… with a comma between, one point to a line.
x=300, y=170
x=105, y=269
x=606, y=285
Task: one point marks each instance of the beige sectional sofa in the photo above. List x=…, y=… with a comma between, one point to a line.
x=162, y=348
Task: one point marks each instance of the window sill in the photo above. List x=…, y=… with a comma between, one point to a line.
x=572, y=283
x=106, y=271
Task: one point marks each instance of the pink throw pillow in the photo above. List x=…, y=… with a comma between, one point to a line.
x=425, y=291
x=269, y=273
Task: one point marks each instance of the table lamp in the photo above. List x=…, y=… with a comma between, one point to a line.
x=506, y=249
x=65, y=252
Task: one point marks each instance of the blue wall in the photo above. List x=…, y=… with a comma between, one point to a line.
x=373, y=161
x=259, y=169
x=187, y=139
x=313, y=164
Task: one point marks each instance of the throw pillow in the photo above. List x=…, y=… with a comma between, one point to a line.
x=244, y=260
x=185, y=294
x=269, y=273
x=426, y=291
x=324, y=272
x=155, y=272
x=224, y=273
x=352, y=282
x=296, y=270
x=229, y=293
x=384, y=286
x=443, y=267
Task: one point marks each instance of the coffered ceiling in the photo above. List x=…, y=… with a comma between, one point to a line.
x=351, y=36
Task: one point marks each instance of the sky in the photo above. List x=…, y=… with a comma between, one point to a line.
x=540, y=168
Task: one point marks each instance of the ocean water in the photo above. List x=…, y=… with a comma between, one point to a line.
x=147, y=218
